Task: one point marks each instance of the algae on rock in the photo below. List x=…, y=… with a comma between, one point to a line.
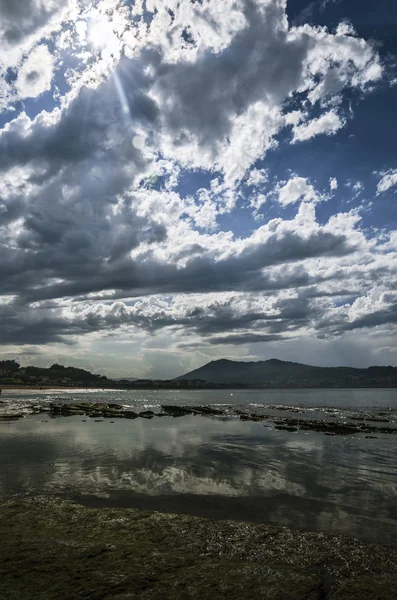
x=52, y=549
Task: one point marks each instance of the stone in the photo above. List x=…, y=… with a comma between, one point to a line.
x=147, y=414
x=120, y=554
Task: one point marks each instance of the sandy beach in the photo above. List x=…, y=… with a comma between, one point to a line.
x=28, y=390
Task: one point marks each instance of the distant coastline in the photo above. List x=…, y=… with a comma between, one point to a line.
x=170, y=385
x=33, y=389
x=220, y=374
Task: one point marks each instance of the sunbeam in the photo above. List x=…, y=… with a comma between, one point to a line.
x=122, y=97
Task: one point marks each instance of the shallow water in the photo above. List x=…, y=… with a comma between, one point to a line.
x=218, y=467
x=254, y=400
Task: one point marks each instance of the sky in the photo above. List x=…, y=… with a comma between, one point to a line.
x=188, y=180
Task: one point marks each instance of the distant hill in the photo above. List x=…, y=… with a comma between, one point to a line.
x=12, y=373
x=278, y=373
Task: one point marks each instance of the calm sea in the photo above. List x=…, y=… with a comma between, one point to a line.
x=219, y=467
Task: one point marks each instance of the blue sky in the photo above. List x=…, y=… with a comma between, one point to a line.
x=185, y=181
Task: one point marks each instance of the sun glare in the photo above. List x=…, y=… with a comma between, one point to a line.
x=99, y=31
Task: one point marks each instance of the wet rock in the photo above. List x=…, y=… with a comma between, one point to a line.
x=291, y=409
x=120, y=554
x=95, y=414
x=377, y=587
x=367, y=417
x=82, y=405
x=206, y=410
x=147, y=414
x=286, y=428
x=129, y=414
x=355, y=423
x=325, y=426
x=67, y=410
x=333, y=427
x=251, y=417
x=176, y=411
x=12, y=416
x=181, y=411
x=112, y=412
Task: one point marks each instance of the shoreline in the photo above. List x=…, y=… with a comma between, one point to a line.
x=30, y=389
x=377, y=422
x=226, y=388
x=119, y=554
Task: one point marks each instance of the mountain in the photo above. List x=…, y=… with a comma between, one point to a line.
x=278, y=373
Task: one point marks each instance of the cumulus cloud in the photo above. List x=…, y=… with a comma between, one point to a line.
x=23, y=23
x=36, y=73
x=333, y=184
x=388, y=180
x=227, y=120
x=329, y=123
x=135, y=257
x=257, y=177
x=375, y=309
x=262, y=264
x=98, y=230
x=297, y=188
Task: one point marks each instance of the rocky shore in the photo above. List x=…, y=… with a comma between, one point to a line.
x=352, y=422
x=54, y=549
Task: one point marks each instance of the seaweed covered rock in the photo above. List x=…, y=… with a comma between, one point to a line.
x=207, y=410
x=176, y=411
x=57, y=550
x=251, y=417
x=147, y=414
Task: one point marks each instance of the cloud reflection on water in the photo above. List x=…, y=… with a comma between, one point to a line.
x=242, y=469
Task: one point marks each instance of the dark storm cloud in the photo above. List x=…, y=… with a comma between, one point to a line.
x=386, y=316
x=46, y=323
x=259, y=64
x=287, y=315
x=249, y=338
x=90, y=127
x=336, y=323
x=264, y=62
x=78, y=168
x=89, y=254
x=25, y=328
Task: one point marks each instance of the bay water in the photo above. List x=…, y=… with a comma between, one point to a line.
x=220, y=466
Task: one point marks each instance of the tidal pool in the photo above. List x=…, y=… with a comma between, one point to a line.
x=214, y=467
